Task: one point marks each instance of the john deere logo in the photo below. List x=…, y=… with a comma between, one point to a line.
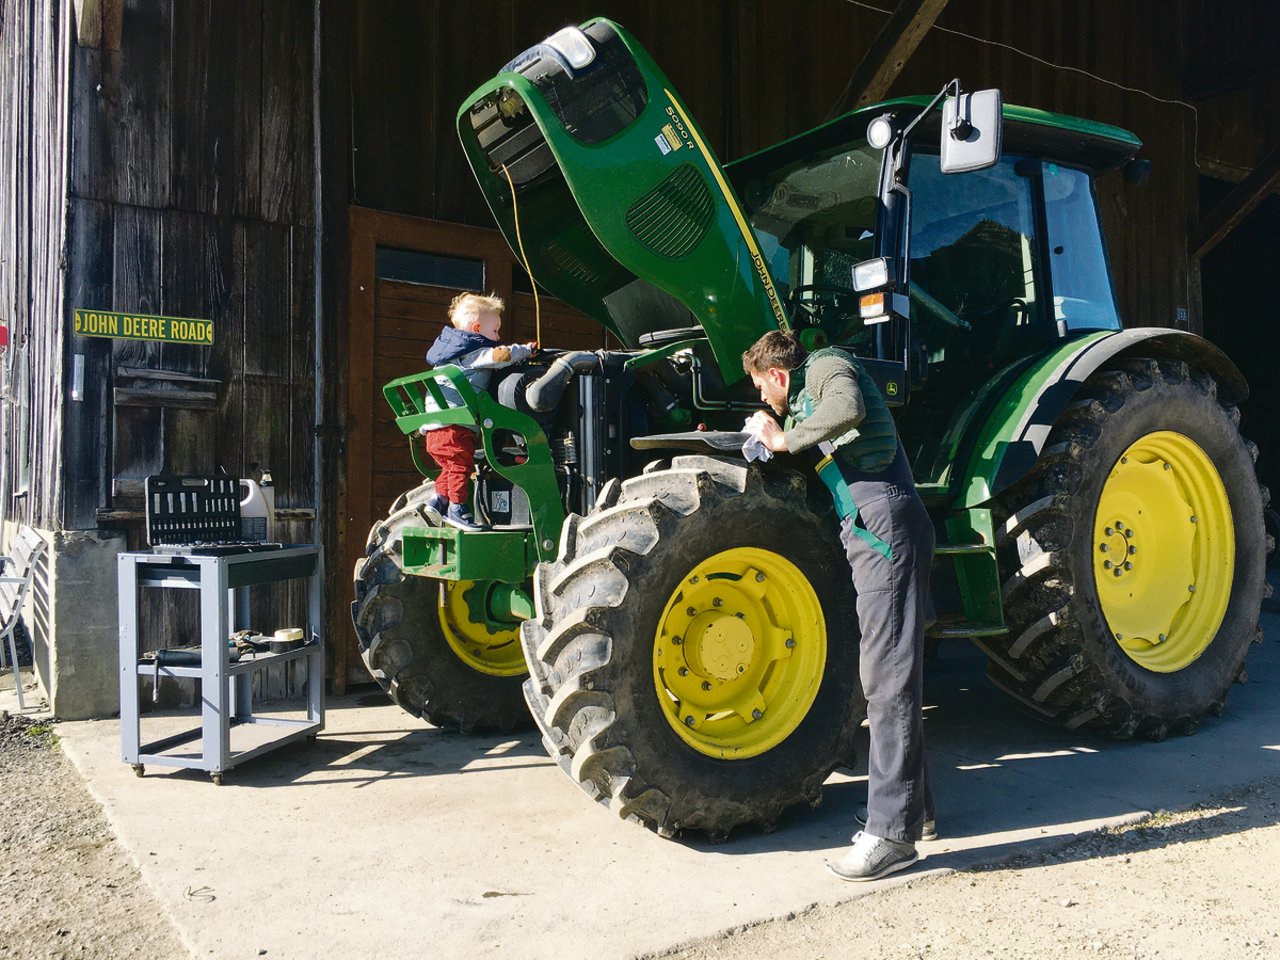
x=891, y=388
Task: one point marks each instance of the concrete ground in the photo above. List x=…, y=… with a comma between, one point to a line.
x=389, y=838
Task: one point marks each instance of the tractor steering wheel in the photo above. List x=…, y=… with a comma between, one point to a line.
x=821, y=302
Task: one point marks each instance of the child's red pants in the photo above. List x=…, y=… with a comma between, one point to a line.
x=454, y=448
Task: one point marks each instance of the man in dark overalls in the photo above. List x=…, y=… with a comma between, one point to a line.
x=834, y=406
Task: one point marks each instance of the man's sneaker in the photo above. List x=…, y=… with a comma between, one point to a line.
x=437, y=507
x=928, y=831
x=459, y=516
x=871, y=858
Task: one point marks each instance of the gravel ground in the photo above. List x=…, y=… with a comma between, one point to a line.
x=70, y=890
x=1193, y=885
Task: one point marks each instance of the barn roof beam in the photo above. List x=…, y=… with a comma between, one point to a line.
x=890, y=50
x=1224, y=218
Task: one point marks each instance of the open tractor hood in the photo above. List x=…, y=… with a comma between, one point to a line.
x=619, y=206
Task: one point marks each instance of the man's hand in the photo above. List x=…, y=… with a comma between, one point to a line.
x=767, y=429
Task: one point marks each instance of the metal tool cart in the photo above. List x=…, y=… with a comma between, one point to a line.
x=229, y=733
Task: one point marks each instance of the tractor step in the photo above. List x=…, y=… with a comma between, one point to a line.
x=964, y=549
x=963, y=630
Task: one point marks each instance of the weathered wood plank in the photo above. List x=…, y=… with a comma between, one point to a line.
x=286, y=173
x=121, y=138
x=217, y=112
x=177, y=399
x=266, y=268
x=88, y=424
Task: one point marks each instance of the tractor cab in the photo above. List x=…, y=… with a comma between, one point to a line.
x=941, y=278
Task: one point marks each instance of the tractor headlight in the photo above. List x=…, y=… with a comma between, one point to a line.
x=871, y=274
x=572, y=44
x=879, y=132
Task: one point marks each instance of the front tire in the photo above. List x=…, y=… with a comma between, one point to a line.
x=427, y=642
x=1134, y=557
x=694, y=655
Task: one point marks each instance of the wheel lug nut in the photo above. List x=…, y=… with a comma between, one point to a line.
x=740, y=615
x=691, y=611
x=1106, y=564
x=694, y=578
x=1104, y=547
x=742, y=668
x=1132, y=550
x=706, y=684
x=1163, y=638
x=1124, y=459
x=759, y=578
x=677, y=640
x=1128, y=565
x=1168, y=466
x=1108, y=531
x=1119, y=636
x=1191, y=588
x=688, y=721
x=717, y=602
x=683, y=671
x=791, y=644
x=1193, y=518
x=1117, y=571
x=757, y=713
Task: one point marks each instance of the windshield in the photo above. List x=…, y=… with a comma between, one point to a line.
x=814, y=219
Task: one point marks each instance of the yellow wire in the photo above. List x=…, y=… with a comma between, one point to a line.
x=537, y=304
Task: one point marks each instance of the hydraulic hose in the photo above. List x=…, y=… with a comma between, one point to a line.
x=544, y=393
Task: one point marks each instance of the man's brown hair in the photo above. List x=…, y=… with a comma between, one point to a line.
x=775, y=349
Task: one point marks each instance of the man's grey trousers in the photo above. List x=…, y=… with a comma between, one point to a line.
x=890, y=551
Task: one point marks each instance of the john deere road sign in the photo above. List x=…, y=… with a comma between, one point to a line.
x=142, y=326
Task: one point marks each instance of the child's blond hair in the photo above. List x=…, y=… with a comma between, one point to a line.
x=467, y=307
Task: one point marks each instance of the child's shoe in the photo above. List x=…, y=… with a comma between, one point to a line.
x=460, y=516
x=437, y=507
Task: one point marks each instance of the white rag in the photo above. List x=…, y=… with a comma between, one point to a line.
x=754, y=449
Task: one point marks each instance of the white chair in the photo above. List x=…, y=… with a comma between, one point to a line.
x=16, y=571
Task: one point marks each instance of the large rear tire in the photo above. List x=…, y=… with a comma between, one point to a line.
x=427, y=642
x=1133, y=557
x=694, y=655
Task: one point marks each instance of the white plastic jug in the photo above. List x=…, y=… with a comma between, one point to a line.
x=255, y=512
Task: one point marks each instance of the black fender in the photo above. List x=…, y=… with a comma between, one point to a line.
x=1002, y=434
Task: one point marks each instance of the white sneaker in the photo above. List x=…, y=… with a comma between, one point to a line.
x=928, y=830
x=871, y=858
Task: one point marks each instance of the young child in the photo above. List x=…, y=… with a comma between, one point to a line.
x=472, y=343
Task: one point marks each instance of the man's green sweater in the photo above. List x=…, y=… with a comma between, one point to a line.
x=833, y=398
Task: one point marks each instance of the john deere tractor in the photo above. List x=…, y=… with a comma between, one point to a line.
x=680, y=622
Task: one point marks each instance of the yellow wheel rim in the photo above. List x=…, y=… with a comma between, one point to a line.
x=739, y=653
x=1163, y=551
x=492, y=648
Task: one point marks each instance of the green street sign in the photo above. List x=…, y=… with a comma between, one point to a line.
x=142, y=326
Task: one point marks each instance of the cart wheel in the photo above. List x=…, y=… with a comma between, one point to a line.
x=139, y=770
x=216, y=778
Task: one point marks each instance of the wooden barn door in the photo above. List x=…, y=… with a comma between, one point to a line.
x=404, y=273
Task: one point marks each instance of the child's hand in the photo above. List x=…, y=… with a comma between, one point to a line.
x=532, y=347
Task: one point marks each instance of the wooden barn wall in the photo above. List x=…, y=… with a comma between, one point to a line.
x=34, y=45
x=757, y=71
x=191, y=189
x=192, y=194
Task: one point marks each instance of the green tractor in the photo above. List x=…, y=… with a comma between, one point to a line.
x=680, y=622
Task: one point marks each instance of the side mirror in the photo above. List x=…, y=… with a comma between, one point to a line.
x=972, y=128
